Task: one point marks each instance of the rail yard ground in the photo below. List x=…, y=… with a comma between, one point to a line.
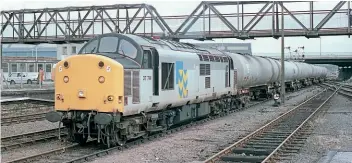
x=332, y=132
x=197, y=143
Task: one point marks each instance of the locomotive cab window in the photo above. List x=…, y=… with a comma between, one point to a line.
x=126, y=48
x=147, y=59
x=90, y=47
x=108, y=44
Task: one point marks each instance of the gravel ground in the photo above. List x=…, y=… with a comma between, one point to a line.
x=198, y=142
x=332, y=131
x=30, y=149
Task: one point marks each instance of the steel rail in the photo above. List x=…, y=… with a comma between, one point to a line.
x=15, y=140
x=6, y=121
x=136, y=142
x=48, y=153
x=227, y=150
x=133, y=143
x=272, y=155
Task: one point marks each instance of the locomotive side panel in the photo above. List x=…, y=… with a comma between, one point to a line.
x=177, y=77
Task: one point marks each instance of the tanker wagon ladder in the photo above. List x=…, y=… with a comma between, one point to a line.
x=278, y=138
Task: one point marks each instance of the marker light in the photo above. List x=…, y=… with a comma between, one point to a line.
x=66, y=64
x=101, y=79
x=80, y=94
x=66, y=79
x=101, y=64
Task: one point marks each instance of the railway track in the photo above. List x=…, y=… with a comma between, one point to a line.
x=20, y=110
x=6, y=121
x=279, y=137
x=346, y=90
x=75, y=152
x=17, y=141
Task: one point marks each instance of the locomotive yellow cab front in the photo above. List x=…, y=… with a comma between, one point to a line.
x=88, y=83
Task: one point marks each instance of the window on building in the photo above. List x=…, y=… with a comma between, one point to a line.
x=204, y=69
x=108, y=44
x=40, y=66
x=128, y=49
x=74, y=49
x=167, y=75
x=14, y=67
x=31, y=67
x=48, y=67
x=22, y=67
x=5, y=67
x=64, y=50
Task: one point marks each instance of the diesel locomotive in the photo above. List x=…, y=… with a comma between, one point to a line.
x=122, y=86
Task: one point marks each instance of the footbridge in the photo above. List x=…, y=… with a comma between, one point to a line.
x=209, y=20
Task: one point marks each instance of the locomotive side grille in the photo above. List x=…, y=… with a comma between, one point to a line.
x=128, y=83
x=135, y=82
x=204, y=69
x=207, y=82
x=207, y=69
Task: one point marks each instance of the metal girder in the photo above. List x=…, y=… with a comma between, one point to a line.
x=78, y=24
x=331, y=13
x=69, y=26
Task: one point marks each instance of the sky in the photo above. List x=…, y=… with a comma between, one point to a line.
x=183, y=7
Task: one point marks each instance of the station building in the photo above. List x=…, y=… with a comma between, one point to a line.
x=29, y=59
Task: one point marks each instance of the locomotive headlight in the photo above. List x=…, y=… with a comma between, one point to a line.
x=66, y=79
x=110, y=98
x=101, y=79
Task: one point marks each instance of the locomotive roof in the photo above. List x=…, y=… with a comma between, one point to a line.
x=168, y=44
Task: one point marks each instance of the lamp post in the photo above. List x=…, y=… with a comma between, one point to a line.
x=320, y=44
x=282, y=94
x=289, y=50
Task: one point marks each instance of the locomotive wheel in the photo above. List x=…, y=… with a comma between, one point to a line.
x=80, y=139
x=120, y=141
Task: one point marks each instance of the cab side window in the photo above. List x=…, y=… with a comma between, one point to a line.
x=147, y=59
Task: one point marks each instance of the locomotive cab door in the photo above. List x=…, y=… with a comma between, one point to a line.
x=151, y=61
x=155, y=57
